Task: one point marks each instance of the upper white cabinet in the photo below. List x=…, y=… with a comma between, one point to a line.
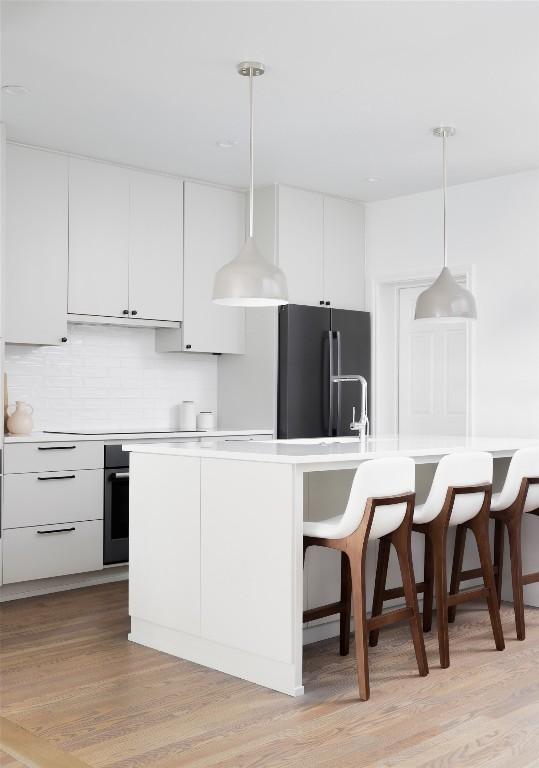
x=300, y=217
x=98, y=239
x=214, y=231
x=155, y=247
x=36, y=246
x=344, y=253
x=125, y=245
x=319, y=244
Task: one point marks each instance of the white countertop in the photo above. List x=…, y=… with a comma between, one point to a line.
x=62, y=437
x=337, y=450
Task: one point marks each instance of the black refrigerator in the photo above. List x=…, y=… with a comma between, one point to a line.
x=314, y=344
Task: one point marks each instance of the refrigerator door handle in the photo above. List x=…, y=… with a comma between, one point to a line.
x=339, y=385
x=330, y=410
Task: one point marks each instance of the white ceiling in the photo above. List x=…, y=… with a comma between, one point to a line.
x=352, y=89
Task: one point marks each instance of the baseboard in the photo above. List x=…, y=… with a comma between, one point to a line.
x=61, y=583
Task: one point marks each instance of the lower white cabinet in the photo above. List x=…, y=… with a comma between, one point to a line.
x=43, y=551
x=41, y=498
x=52, y=515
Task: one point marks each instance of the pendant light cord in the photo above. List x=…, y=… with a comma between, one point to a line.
x=251, y=157
x=444, y=162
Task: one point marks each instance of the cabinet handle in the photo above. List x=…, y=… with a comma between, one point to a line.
x=134, y=312
x=57, y=477
x=63, y=339
x=187, y=346
x=56, y=447
x=58, y=530
x=125, y=311
x=328, y=303
x=321, y=302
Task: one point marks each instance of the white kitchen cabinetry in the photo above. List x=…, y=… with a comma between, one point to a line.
x=319, y=243
x=155, y=247
x=300, y=251
x=214, y=232
x=52, y=550
x=52, y=522
x=36, y=258
x=125, y=243
x=98, y=239
x=344, y=253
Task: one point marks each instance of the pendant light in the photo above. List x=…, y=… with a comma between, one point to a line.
x=250, y=280
x=445, y=299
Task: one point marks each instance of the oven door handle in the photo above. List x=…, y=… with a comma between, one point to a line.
x=119, y=476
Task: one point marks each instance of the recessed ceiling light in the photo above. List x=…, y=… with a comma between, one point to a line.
x=15, y=90
x=227, y=144
x=373, y=179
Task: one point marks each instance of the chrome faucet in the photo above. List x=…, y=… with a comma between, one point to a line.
x=361, y=426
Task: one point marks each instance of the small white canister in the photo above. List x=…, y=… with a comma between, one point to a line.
x=206, y=421
x=187, y=416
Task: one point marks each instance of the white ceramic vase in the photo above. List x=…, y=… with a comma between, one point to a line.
x=20, y=421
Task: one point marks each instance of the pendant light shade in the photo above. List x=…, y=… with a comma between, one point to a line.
x=445, y=299
x=250, y=280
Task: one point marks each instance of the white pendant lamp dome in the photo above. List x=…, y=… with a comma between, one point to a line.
x=250, y=280
x=445, y=299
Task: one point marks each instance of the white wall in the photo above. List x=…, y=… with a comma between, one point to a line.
x=493, y=226
x=108, y=376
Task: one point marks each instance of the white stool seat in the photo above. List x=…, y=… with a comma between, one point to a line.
x=496, y=502
x=323, y=529
x=377, y=478
x=525, y=463
x=454, y=470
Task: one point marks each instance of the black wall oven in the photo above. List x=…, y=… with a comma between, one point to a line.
x=116, y=506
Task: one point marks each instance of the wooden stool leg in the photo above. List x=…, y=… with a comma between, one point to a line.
x=384, y=546
x=403, y=545
x=479, y=526
x=357, y=568
x=439, y=540
x=499, y=540
x=514, y=528
x=346, y=601
x=458, y=557
x=428, y=578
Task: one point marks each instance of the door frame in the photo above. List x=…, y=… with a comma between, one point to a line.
x=385, y=347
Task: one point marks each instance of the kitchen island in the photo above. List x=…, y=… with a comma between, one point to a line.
x=216, y=559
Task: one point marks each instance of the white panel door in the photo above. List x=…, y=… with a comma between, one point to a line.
x=98, y=239
x=344, y=253
x=155, y=247
x=300, y=222
x=214, y=232
x=433, y=373
x=36, y=246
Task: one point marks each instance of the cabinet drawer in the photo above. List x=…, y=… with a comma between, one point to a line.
x=49, y=457
x=52, y=550
x=52, y=497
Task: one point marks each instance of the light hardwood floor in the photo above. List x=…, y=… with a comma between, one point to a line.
x=71, y=678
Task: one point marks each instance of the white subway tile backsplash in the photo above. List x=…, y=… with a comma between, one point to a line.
x=108, y=377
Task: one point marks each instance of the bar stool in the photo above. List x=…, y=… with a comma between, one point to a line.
x=520, y=494
x=459, y=496
x=380, y=506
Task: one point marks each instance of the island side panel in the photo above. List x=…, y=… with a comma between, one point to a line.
x=251, y=567
x=164, y=543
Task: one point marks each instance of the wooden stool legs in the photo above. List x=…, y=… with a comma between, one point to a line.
x=346, y=602
x=510, y=518
x=435, y=579
x=353, y=550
